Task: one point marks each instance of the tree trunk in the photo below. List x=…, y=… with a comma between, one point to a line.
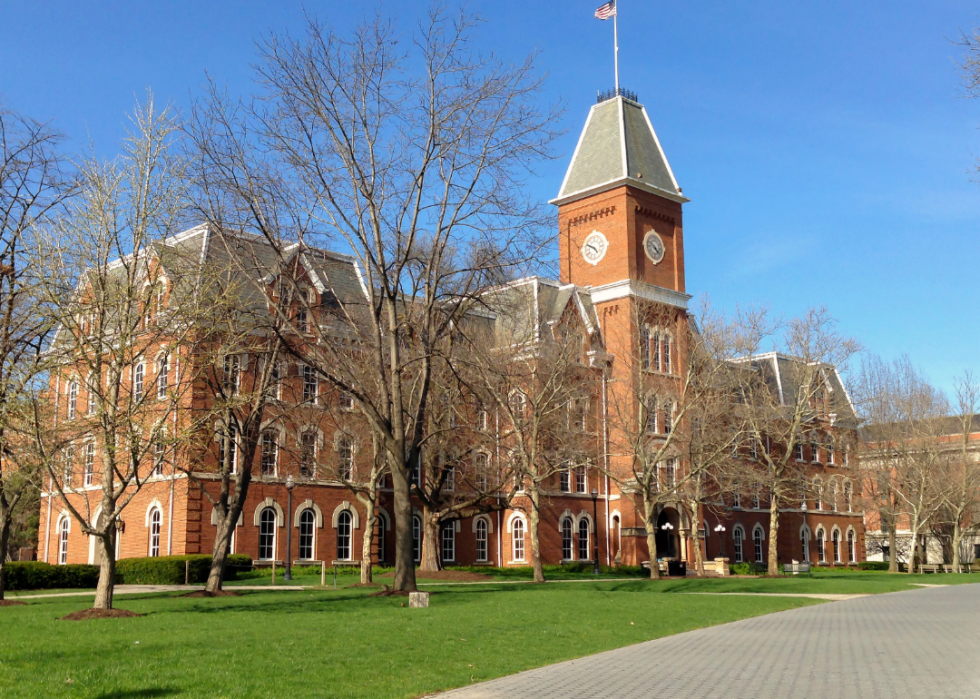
x=650, y=524
x=957, y=538
x=371, y=521
x=107, y=572
x=914, y=553
x=892, y=549
x=404, y=560
x=222, y=544
x=534, y=521
x=4, y=541
x=773, y=566
x=696, y=537
x=430, y=542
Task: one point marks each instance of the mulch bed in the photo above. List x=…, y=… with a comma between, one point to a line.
x=100, y=614
x=451, y=575
x=11, y=603
x=219, y=593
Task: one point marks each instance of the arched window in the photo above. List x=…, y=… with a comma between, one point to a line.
x=138, y=372
x=163, y=376
x=64, y=527
x=72, y=399
x=344, y=521
x=821, y=552
x=481, y=539
x=583, y=540
x=805, y=544
x=737, y=535
x=417, y=537
x=517, y=530
x=270, y=453
x=267, y=534
x=835, y=538
x=155, y=518
x=307, y=524
x=850, y=546
x=345, y=458
x=566, y=538
x=757, y=540
x=518, y=403
x=449, y=541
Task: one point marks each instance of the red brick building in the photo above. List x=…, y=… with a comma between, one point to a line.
x=621, y=238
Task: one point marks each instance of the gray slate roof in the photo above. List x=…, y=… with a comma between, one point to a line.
x=613, y=127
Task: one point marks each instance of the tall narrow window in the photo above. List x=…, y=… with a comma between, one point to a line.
x=72, y=399
x=274, y=385
x=307, y=522
x=481, y=463
x=417, y=538
x=757, y=539
x=517, y=530
x=818, y=493
x=581, y=480
x=270, y=453
x=310, y=384
x=232, y=374
x=416, y=475
x=655, y=354
x=92, y=393
x=155, y=518
x=482, y=420
x=830, y=454
x=344, y=521
x=346, y=401
x=566, y=538
x=670, y=474
x=835, y=538
x=228, y=449
x=798, y=451
x=267, y=534
x=89, y=463
x=159, y=452
x=821, y=549
x=518, y=403
x=583, y=540
x=737, y=536
x=645, y=347
x=814, y=450
x=850, y=546
x=448, y=541
x=668, y=417
x=736, y=496
x=302, y=311
x=848, y=493
x=345, y=458
x=449, y=485
x=667, y=353
x=163, y=376
x=138, y=372
x=652, y=421
x=307, y=454
x=63, y=529
x=482, y=530
x=69, y=466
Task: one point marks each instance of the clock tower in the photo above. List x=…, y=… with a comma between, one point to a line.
x=619, y=207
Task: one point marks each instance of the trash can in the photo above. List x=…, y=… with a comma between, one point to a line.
x=678, y=568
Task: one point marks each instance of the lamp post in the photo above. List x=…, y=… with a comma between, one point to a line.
x=595, y=520
x=720, y=529
x=289, y=527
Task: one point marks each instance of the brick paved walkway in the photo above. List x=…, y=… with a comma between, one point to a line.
x=923, y=643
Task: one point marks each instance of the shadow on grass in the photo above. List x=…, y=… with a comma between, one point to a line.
x=141, y=693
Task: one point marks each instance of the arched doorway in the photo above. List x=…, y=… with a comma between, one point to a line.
x=668, y=528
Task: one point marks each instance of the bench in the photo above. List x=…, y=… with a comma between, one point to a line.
x=928, y=568
x=795, y=568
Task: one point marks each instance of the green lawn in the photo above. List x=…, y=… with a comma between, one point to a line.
x=337, y=644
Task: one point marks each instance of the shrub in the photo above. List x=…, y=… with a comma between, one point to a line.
x=35, y=575
x=746, y=569
x=873, y=565
x=174, y=570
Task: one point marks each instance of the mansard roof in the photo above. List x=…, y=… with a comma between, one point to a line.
x=527, y=309
x=618, y=146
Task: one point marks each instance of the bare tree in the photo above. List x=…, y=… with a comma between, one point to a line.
x=115, y=287
x=905, y=453
x=411, y=159
x=787, y=401
x=33, y=184
x=963, y=480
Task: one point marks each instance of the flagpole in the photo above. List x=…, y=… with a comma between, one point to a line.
x=616, y=44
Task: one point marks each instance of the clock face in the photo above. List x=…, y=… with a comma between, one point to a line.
x=594, y=248
x=654, y=247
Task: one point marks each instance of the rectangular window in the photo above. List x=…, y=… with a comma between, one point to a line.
x=274, y=385
x=669, y=473
x=830, y=454
x=651, y=408
x=814, y=452
x=346, y=401
x=228, y=449
x=307, y=454
x=737, y=536
x=89, y=463
x=482, y=420
x=138, y=382
x=668, y=417
x=565, y=480
x=69, y=466
x=757, y=536
x=159, y=450
x=270, y=454
x=450, y=482
x=481, y=539
x=310, y=384
x=163, y=377
x=655, y=355
x=232, y=374
x=581, y=480
x=799, y=451
x=448, y=541
x=481, y=464
x=92, y=395
x=667, y=354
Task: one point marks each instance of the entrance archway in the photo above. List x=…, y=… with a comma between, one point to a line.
x=668, y=537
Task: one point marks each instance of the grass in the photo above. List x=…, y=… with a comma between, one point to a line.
x=337, y=644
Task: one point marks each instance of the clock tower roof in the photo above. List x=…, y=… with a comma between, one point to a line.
x=618, y=146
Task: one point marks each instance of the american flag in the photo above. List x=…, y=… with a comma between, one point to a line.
x=607, y=10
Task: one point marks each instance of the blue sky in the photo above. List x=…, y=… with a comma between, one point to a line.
x=826, y=146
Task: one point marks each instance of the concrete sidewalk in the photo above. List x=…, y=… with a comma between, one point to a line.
x=921, y=643
x=144, y=589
